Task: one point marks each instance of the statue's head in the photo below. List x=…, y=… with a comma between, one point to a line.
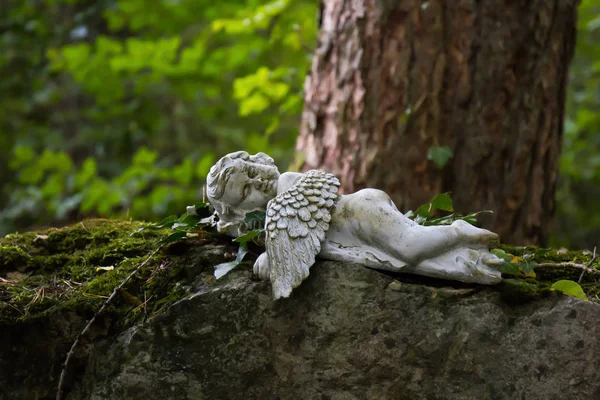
x=240, y=183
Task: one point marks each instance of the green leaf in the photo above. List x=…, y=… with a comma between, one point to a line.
x=256, y=219
x=528, y=265
x=424, y=211
x=248, y=236
x=173, y=237
x=447, y=220
x=222, y=269
x=419, y=219
x=541, y=252
x=502, y=254
x=440, y=155
x=145, y=157
x=186, y=222
x=508, y=268
x=570, y=288
x=87, y=172
x=254, y=104
x=442, y=202
x=21, y=156
x=203, y=166
x=166, y=222
x=472, y=217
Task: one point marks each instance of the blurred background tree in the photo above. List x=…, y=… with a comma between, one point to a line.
x=423, y=97
x=577, y=222
x=119, y=107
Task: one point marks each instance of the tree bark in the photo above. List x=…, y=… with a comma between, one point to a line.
x=393, y=78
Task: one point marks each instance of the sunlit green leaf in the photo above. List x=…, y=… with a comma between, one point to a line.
x=203, y=166
x=570, y=288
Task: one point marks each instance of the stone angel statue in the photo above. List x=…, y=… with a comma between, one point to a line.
x=307, y=217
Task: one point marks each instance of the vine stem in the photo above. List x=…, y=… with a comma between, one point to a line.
x=63, y=373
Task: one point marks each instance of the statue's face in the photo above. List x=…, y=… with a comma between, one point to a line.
x=250, y=186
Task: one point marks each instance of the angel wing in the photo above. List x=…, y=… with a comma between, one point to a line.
x=296, y=222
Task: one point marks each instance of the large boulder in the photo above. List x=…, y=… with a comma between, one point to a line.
x=350, y=332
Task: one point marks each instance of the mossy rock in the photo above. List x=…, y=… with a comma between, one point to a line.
x=537, y=283
x=79, y=266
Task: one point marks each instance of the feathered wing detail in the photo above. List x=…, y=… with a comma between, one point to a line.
x=296, y=224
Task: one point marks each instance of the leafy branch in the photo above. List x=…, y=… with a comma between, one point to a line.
x=255, y=219
x=425, y=214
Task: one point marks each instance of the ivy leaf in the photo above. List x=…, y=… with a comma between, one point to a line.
x=447, y=220
x=472, y=217
x=423, y=211
x=442, y=202
x=502, y=254
x=222, y=269
x=528, y=266
x=173, y=237
x=211, y=221
x=186, y=222
x=201, y=205
x=256, y=219
x=440, y=155
x=419, y=219
x=507, y=267
x=570, y=288
x=541, y=252
x=248, y=236
x=166, y=222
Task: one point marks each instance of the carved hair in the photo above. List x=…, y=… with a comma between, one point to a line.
x=216, y=182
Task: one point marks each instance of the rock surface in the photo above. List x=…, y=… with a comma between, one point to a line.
x=351, y=333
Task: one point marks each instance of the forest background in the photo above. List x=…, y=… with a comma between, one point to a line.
x=119, y=108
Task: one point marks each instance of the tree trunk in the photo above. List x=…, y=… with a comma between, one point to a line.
x=392, y=79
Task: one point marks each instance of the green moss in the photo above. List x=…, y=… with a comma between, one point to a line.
x=519, y=291
x=57, y=269
x=12, y=257
x=551, y=256
x=523, y=288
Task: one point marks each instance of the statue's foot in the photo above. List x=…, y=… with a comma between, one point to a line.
x=474, y=235
x=481, y=265
x=262, y=268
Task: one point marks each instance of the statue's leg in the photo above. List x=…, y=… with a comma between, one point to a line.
x=373, y=217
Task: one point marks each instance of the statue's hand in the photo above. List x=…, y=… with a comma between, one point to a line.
x=261, y=267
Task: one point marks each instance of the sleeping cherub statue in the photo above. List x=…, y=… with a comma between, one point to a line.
x=306, y=217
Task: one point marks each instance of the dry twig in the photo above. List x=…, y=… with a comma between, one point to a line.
x=63, y=373
x=588, y=265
